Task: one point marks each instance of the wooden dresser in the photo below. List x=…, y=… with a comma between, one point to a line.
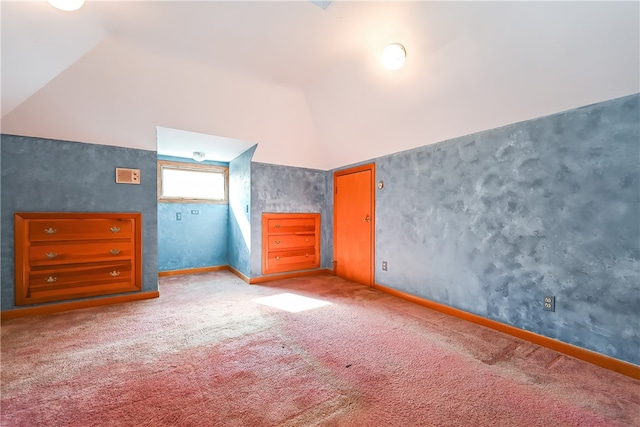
x=62, y=256
x=290, y=242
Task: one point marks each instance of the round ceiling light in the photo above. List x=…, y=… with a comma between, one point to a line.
x=67, y=5
x=393, y=56
x=199, y=156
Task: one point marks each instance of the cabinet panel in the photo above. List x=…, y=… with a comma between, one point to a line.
x=79, y=274
x=40, y=295
x=71, y=252
x=292, y=259
x=86, y=229
x=278, y=242
x=60, y=256
x=286, y=225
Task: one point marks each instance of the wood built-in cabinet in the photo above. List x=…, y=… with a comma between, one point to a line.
x=62, y=256
x=290, y=242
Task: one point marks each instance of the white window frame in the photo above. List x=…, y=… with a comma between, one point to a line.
x=164, y=164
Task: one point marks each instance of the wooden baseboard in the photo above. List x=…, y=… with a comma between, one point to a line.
x=191, y=271
x=237, y=273
x=593, y=357
x=74, y=305
x=271, y=278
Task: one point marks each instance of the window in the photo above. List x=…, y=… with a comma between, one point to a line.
x=192, y=183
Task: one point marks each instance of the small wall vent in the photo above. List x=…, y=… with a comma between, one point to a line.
x=127, y=176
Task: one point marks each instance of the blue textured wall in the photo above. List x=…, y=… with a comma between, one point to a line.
x=239, y=208
x=491, y=222
x=277, y=188
x=59, y=176
x=196, y=241
x=1, y=222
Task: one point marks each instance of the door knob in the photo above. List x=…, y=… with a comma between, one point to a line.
x=367, y=218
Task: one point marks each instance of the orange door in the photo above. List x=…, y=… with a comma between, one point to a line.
x=354, y=223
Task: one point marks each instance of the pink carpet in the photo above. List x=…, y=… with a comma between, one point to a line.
x=206, y=353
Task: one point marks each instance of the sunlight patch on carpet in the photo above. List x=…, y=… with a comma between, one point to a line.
x=291, y=302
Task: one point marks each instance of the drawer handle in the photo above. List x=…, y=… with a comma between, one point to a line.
x=50, y=230
x=307, y=255
x=114, y=251
x=114, y=229
x=278, y=258
x=51, y=255
x=50, y=279
x=306, y=240
x=277, y=225
x=367, y=218
x=277, y=242
x=114, y=273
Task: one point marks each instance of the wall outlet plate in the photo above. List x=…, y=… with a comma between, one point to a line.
x=384, y=265
x=549, y=303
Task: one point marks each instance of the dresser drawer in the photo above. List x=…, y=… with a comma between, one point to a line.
x=65, y=253
x=291, y=225
x=297, y=259
x=43, y=230
x=80, y=275
x=278, y=242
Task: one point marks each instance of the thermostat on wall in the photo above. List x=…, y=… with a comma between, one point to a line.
x=127, y=176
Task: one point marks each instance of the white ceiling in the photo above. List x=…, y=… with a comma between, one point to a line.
x=305, y=83
x=180, y=143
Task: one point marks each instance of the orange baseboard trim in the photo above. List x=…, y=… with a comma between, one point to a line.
x=271, y=278
x=264, y=279
x=75, y=305
x=191, y=271
x=237, y=273
x=593, y=357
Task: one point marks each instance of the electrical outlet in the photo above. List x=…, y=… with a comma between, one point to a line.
x=384, y=265
x=195, y=212
x=549, y=303
x=178, y=216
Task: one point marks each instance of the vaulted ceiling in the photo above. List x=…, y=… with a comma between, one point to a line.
x=304, y=83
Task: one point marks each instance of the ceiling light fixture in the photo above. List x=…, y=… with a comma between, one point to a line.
x=198, y=156
x=67, y=5
x=393, y=56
